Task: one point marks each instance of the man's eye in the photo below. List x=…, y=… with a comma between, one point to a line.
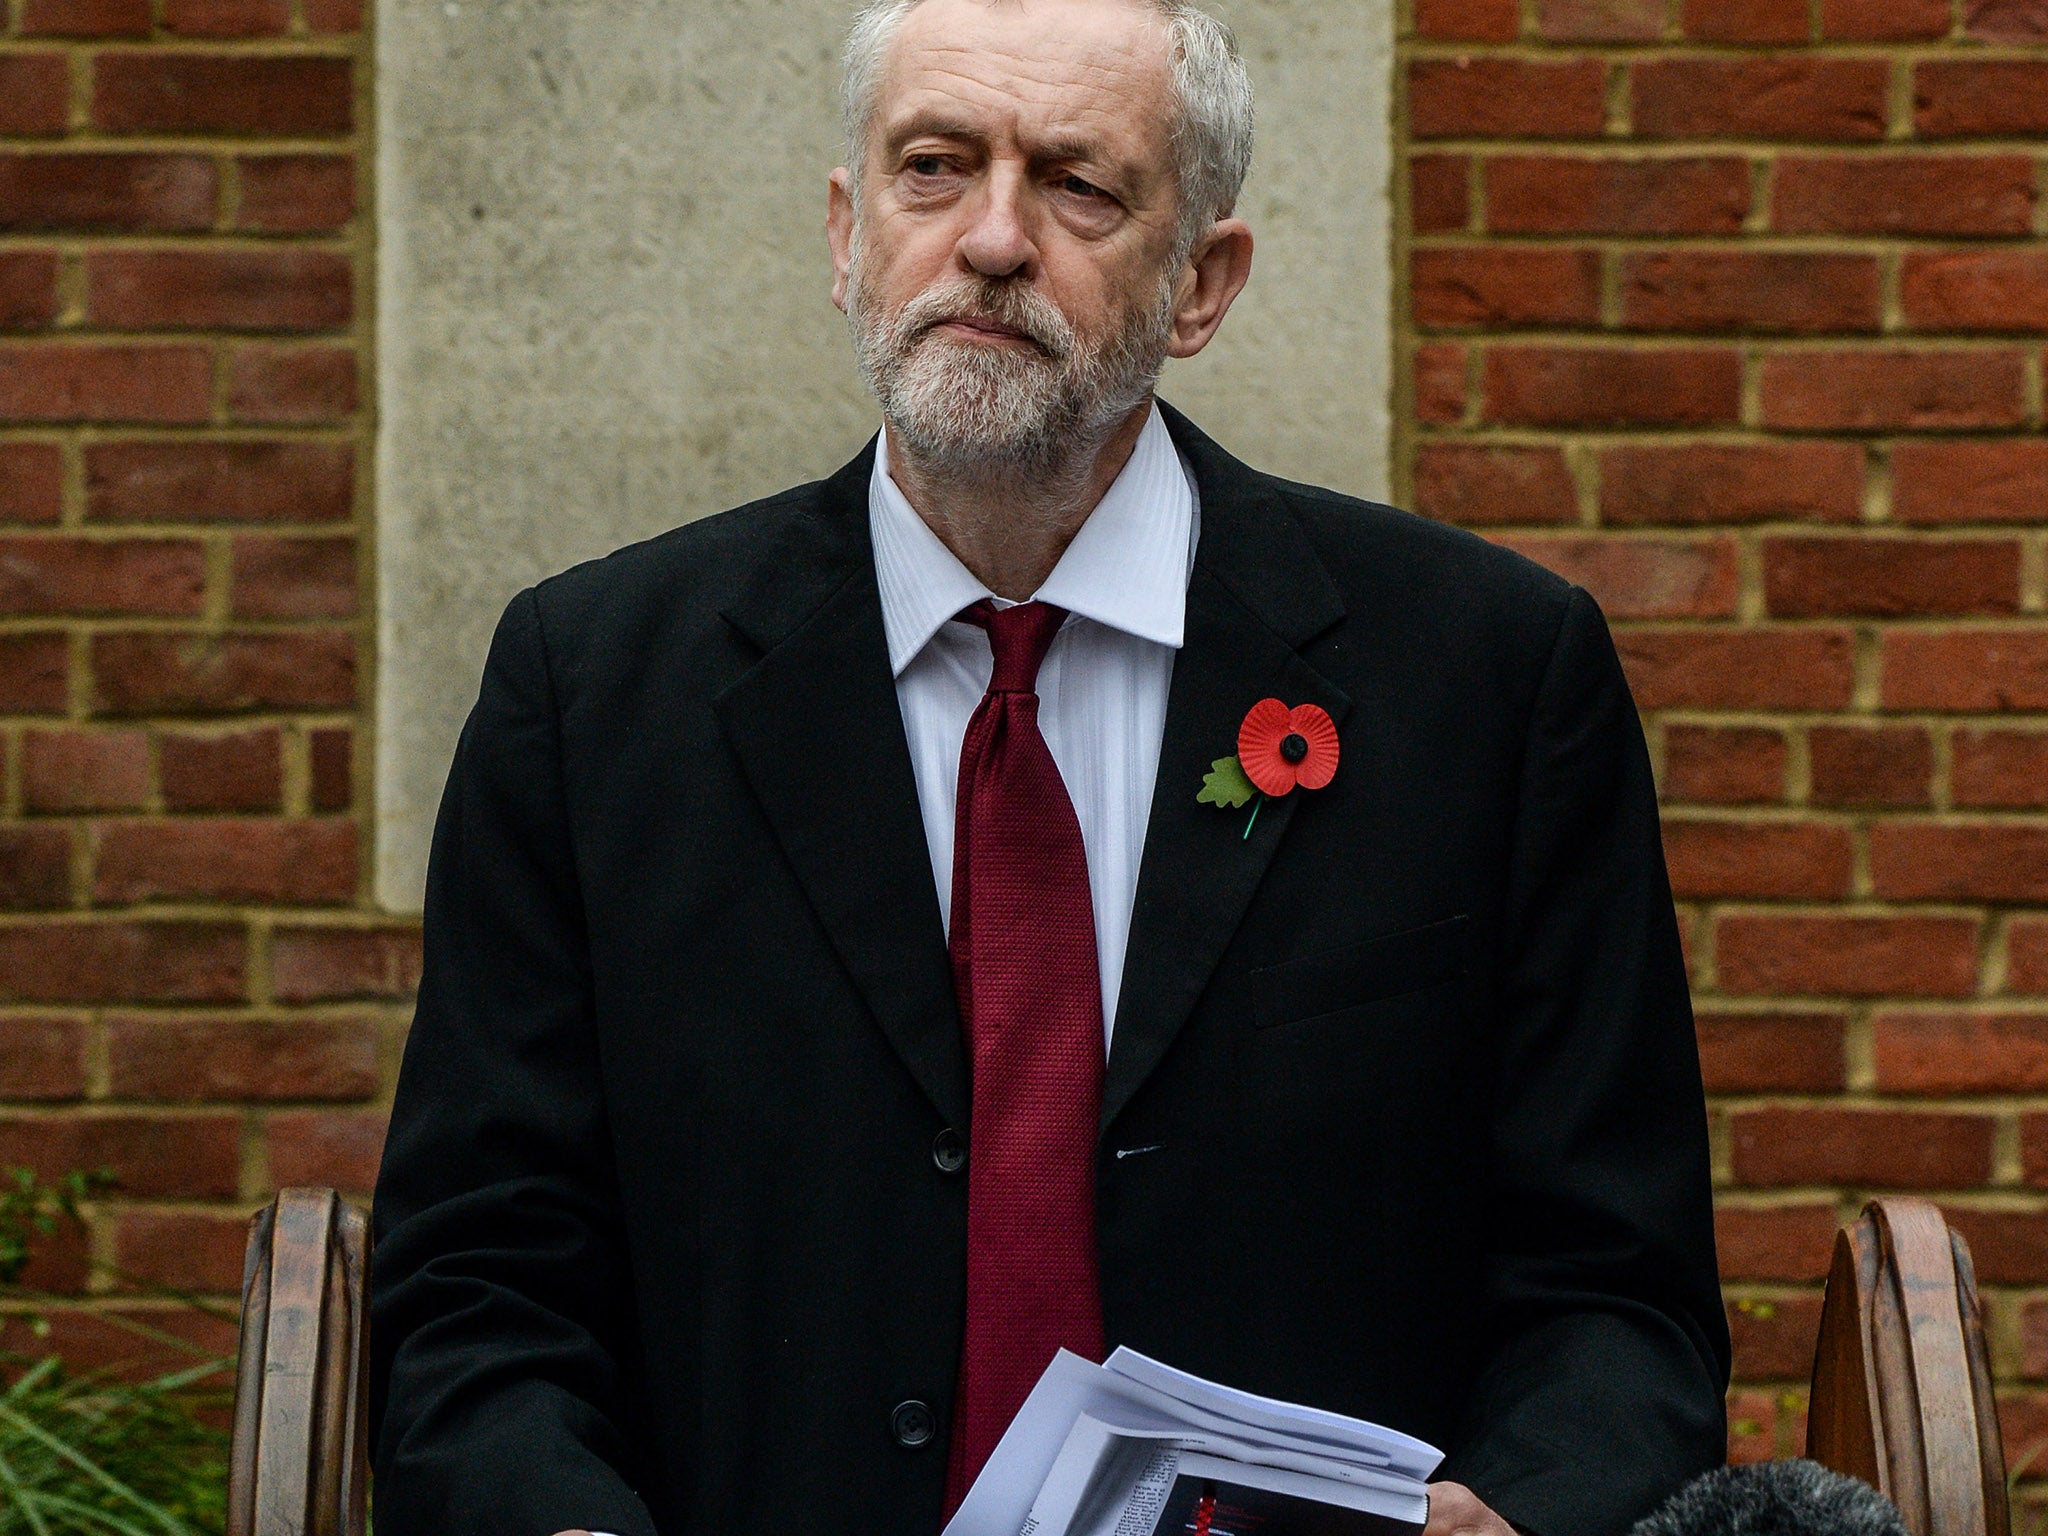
x=926, y=165
x=1080, y=188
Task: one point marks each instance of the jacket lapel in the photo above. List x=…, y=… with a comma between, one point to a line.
x=1258, y=593
x=819, y=735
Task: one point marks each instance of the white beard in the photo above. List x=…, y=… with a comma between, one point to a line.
x=983, y=408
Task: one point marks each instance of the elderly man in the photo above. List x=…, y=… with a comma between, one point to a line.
x=1047, y=885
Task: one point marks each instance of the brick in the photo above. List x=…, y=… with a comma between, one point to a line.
x=2006, y=21
x=1904, y=195
x=59, y=1264
x=35, y=94
x=2034, y=1340
x=89, y=1341
x=243, y=771
x=325, y=1149
x=1789, y=97
x=1893, y=390
x=331, y=16
x=1961, y=482
x=1723, y=765
x=1439, y=193
x=1971, y=669
x=2034, y=1149
x=292, y=384
x=1883, y=21
x=146, y=384
x=295, y=194
x=1943, y=1053
x=330, y=753
x=1976, y=290
x=1746, y=21
x=1773, y=1337
x=1749, y=291
x=68, y=771
x=34, y=674
x=1980, y=98
x=296, y=862
x=31, y=483
x=1772, y=1052
x=1855, y=765
x=1494, y=98
x=105, y=962
x=1600, y=21
x=2007, y=1247
x=1752, y=1426
x=205, y=674
x=85, y=18
x=1440, y=383
x=1471, y=21
x=197, y=1251
x=35, y=868
x=1790, y=1243
x=1480, y=285
x=1937, y=861
x=1752, y=669
x=28, y=293
x=1699, y=483
x=2002, y=769
x=1560, y=195
x=327, y=965
x=195, y=92
x=1881, y=1149
x=44, y=1060
x=189, y=1156
x=2026, y=956
x=1838, y=954
x=49, y=574
x=288, y=578
x=1609, y=386
x=1641, y=578
x=1477, y=486
x=171, y=1060
x=232, y=482
x=106, y=193
x=1756, y=860
x=1839, y=577
x=227, y=18
x=273, y=290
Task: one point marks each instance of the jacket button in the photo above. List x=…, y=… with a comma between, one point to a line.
x=912, y=1425
x=949, y=1151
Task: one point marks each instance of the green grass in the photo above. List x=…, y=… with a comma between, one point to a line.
x=98, y=1454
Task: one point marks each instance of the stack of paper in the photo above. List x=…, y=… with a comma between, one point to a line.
x=1136, y=1448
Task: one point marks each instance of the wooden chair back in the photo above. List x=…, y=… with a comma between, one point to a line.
x=299, y=1466
x=1902, y=1394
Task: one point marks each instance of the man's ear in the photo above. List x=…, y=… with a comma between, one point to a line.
x=1217, y=270
x=839, y=230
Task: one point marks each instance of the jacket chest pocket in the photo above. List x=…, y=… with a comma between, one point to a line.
x=1374, y=971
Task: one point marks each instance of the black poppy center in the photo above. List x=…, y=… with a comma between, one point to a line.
x=1293, y=746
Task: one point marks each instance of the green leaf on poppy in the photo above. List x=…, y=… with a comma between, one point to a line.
x=1225, y=785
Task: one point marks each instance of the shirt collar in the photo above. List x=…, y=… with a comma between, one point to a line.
x=1127, y=568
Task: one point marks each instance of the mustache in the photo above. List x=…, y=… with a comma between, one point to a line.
x=1008, y=305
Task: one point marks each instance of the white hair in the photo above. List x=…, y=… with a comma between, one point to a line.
x=1212, y=132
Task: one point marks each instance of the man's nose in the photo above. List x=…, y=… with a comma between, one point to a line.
x=997, y=242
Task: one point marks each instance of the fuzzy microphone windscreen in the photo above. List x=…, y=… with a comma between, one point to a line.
x=1774, y=1498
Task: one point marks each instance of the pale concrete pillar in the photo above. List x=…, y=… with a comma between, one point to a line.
x=603, y=302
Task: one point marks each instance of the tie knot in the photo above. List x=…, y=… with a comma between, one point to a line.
x=1019, y=637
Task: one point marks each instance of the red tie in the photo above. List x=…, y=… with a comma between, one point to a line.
x=1024, y=968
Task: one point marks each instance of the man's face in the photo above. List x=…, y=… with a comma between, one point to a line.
x=1007, y=267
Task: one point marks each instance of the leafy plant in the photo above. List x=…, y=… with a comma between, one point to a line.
x=95, y=1454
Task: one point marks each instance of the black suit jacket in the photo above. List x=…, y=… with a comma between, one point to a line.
x=661, y=1239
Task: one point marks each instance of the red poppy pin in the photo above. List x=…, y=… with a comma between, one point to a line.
x=1278, y=748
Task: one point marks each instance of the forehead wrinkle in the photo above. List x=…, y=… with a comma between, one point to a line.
x=1089, y=119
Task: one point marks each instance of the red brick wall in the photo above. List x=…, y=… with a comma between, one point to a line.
x=194, y=990
x=1734, y=311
